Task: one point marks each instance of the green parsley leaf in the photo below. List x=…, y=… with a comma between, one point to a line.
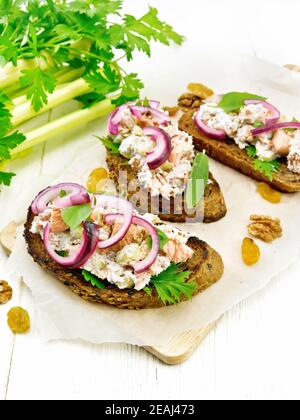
x=94, y=280
x=5, y=119
x=39, y=84
x=267, y=168
x=10, y=142
x=234, y=101
x=90, y=99
x=6, y=178
x=110, y=145
x=198, y=181
x=62, y=253
x=73, y=216
x=132, y=86
x=163, y=239
x=171, y=285
x=100, y=84
x=251, y=151
x=63, y=193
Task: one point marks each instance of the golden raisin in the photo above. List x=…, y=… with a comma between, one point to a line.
x=250, y=252
x=269, y=193
x=203, y=91
x=97, y=180
x=6, y=292
x=18, y=320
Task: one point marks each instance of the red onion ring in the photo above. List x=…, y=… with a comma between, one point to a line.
x=86, y=249
x=210, y=132
x=163, y=148
x=160, y=117
x=154, y=104
x=275, y=113
x=115, y=119
x=123, y=207
x=142, y=266
x=275, y=127
x=77, y=195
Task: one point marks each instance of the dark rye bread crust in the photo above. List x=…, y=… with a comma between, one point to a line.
x=206, y=265
x=214, y=203
x=230, y=154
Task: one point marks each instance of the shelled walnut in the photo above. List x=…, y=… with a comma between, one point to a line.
x=265, y=228
x=6, y=292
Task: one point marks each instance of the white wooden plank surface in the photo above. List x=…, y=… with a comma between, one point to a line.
x=253, y=353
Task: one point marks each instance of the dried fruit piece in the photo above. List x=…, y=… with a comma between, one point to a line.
x=172, y=110
x=269, y=193
x=6, y=292
x=250, y=252
x=18, y=320
x=97, y=180
x=199, y=89
x=265, y=228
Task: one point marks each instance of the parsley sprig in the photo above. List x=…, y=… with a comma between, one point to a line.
x=172, y=285
x=268, y=168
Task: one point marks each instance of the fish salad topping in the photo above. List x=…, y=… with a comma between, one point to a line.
x=118, y=263
x=253, y=123
x=169, y=178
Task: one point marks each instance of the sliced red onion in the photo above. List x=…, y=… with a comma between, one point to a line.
x=275, y=127
x=275, y=113
x=160, y=117
x=76, y=194
x=86, y=249
x=163, y=148
x=121, y=206
x=141, y=266
x=210, y=132
x=154, y=104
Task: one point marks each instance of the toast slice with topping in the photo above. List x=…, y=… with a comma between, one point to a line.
x=205, y=268
x=214, y=203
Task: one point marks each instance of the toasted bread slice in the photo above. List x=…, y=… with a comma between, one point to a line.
x=230, y=154
x=214, y=203
x=206, y=266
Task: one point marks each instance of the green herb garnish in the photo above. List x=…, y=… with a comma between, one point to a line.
x=109, y=144
x=251, y=151
x=258, y=124
x=62, y=253
x=94, y=280
x=63, y=194
x=148, y=290
x=267, y=168
x=171, y=285
x=234, y=101
x=75, y=215
x=163, y=239
x=198, y=181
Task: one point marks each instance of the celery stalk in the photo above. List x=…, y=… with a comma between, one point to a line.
x=61, y=125
x=25, y=111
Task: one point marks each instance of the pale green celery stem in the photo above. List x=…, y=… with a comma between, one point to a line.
x=61, y=125
x=25, y=111
x=66, y=77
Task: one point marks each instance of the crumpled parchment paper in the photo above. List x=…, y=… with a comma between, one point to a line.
x=62, y=315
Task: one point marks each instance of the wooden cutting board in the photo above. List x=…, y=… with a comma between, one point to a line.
x=178, y=350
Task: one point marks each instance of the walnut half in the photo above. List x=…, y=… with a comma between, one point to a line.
x=5, y=292
x=265, y=228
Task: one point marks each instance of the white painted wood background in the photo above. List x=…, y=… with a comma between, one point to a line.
x=253, y=353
